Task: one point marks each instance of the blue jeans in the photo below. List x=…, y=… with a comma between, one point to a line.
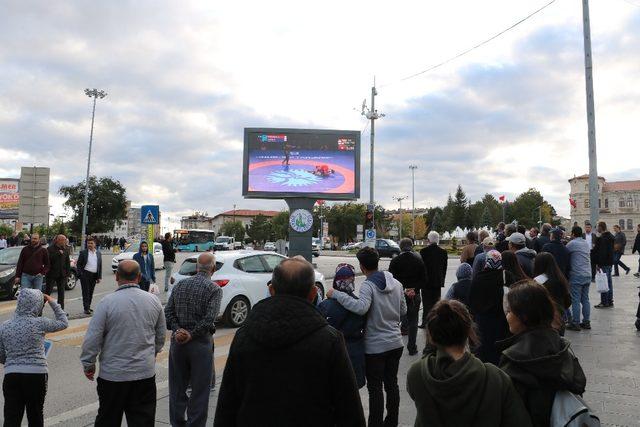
x=31, y=282
x=617, y=256
x=580, y=295
x=606, y=298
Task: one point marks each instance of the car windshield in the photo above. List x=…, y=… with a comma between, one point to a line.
x=134, y=247
x=188, y=267
x=223, y=239
x=10, y=256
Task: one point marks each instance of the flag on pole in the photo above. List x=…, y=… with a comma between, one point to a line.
x=501, y=198
x=573, y=203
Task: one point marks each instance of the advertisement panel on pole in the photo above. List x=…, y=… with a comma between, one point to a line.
x=9, y=198
x=34, y=195
x=310, y=163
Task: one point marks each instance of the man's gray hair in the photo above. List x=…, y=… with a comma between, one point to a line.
x=406, y=244
x=209, y=266
x=128, y=271
x=433, y=237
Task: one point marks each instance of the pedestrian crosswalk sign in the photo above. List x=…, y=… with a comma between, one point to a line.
x=150, y=214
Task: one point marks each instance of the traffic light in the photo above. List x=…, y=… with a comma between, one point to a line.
x=368, y=220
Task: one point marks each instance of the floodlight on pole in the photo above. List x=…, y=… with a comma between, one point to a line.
x=95, y=94
x=399, y=199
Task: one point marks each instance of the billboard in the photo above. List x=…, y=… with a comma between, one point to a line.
x=9, y=198
x=34, y=195
x=322, y=164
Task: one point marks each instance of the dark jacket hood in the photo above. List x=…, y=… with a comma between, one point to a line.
x=541, y=356
x=527, y=253
x=379, y=279
x=282, y=320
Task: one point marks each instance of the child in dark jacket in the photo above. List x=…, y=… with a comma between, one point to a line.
x=350, y=324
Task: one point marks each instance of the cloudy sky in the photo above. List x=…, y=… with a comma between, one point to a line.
x=184, y=79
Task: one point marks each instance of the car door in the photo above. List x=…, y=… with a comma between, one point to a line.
x=254, y=276
x=382, y=247
x=158, y=257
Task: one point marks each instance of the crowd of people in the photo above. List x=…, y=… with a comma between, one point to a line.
x=495, y=350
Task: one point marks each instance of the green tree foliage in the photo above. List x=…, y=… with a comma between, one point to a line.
x=233, y=229
x=407, y=229
x=524, y=209
x=260, y=229
x=280, y=226
x=6, y=230
x=486, y=220
x=107, y=204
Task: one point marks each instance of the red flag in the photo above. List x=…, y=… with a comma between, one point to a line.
x=501, y=198
x=573, y=203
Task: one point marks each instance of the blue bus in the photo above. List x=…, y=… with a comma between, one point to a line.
x=194, y=240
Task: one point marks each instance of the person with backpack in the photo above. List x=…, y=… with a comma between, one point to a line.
x=451, y=387
x=538, y=361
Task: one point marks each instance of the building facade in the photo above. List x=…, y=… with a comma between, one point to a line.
x=196, y=222
x=619, y=203
x=243, y=215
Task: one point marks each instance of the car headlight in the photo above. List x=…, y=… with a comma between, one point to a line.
x=7, y=273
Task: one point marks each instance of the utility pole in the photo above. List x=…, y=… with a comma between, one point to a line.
x=413, y=200
x=95, y=94
x=399, y=199
x=372, y=114
x=591, y=115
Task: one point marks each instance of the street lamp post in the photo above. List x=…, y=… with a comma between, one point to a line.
x=399, y=199
x=95, y=94
x=413, y=200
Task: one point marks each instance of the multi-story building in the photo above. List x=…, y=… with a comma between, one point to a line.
x=197, y=222
x=619, y=203
x=130, y=226
x=243, y=215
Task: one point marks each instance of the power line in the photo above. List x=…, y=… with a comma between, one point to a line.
x=632, y=3
x=474, y=47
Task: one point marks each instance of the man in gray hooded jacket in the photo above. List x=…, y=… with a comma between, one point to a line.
x=381, y=298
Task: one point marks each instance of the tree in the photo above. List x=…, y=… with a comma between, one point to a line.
x=459, y=213
x=486, y=220
x=260, y=229
x=6, y=230
x=107, y=204
x=280, y=226
x=524, y=208
x=233, y=229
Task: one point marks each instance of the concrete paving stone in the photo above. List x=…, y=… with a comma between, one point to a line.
x=623, y=408
x=601, y=387
x=622, y=420
x=608, y=379
x=625, y=390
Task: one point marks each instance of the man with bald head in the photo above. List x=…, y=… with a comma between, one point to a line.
x=127, y=331
x=286, y=365
x=59, y=267
x=191, y=312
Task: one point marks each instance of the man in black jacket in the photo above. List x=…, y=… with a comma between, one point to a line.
x=169, y=253
x=408, y=269
x=59, y=268
x=286, y=365
x=90, y=271
x=560, y=253
x=619, y=245
x=435, y=260
x=603, y=252
x=636, y=248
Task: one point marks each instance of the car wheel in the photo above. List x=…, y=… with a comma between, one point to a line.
x=320, y=289
x=237, y=312
x=72, y=280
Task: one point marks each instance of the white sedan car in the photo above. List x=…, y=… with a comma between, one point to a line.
x=158, y=257
x=243, y=277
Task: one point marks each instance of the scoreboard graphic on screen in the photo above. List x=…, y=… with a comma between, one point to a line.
x=281, y=163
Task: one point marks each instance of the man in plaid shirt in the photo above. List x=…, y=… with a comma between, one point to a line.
x=190, y=313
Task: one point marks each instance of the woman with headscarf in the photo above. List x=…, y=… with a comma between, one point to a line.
x=485, y=303
x=460, y=290
x=350, y=324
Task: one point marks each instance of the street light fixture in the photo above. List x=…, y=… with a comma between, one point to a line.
x=95, y=94
x=399, y=199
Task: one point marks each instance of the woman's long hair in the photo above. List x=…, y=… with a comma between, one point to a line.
x=510, y=263
x=545, y=263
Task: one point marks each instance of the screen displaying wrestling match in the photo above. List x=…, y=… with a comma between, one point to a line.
x=311, y=163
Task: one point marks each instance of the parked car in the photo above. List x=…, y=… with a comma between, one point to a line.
x=387, y=248
x=9, y=260
x=270, y=246
x=352, y=246
x=243, y=277
x=224, y=243
x=315, y=247
x=158, y=257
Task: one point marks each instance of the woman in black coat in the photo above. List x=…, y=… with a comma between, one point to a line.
x=485, y=303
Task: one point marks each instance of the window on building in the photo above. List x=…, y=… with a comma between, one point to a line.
x=629, y=202
x=586, y=187
x=621, y=223
x=599, y=203
x=621, y=202
x=629, y=224
x=606, y=203
x=586, y=203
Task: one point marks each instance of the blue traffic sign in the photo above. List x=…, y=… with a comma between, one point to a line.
x=370, y=234
x=150, y=214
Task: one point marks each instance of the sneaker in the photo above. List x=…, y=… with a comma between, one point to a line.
x=573, y=327
x=421, y=326
x=88, y=312
x=585, y=325
x=601, y=305
x=628, y=270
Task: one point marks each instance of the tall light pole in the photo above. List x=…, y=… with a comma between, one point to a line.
x=95, y=94
x=413, y=200
x=399, y=199
x=372, y=114
x=591, y=115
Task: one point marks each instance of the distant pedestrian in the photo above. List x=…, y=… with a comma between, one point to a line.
x=619, y=245
x=538, y=361
x=547, y=273
x=451, y=387
x=59, y=268
x=523, y=230
x=122, y=243
x=22, y=352
x=579, y=280
x=435, y=261
x=512, y=269
x=556, y=248
x=603, y=253
x=485, y=303
x=3, y=242
x=147, y=266
x=518, y=244
x=127, y=332
x=502, y=244
x=286, y=365
x=636, y=248
x=543, y=238
x=89, y=266
x=33, y=264
x=408, y=269
x=469, y=251
x=591, y=238
x=382, y=299
x=12, y=240
x=350, y=324
x=483, y=234
x=488, y=244
x=460, y=289
x=191, y=312
x=169, y=253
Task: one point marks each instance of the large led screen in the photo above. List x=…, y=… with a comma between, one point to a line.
x=280, y=163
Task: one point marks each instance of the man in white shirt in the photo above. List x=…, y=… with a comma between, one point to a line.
x=3, y=242
x=90, y=270
x=590, y=237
